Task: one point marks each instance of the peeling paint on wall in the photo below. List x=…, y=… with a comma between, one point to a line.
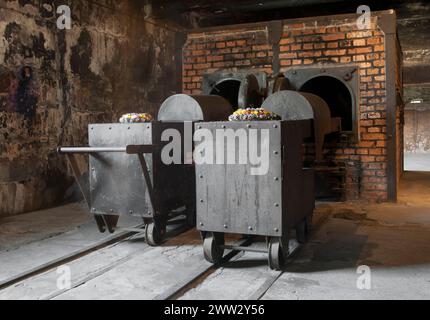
x=109, y=63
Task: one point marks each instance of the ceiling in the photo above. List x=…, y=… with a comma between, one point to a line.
x=204, y=13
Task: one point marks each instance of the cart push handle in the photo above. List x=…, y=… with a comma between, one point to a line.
x=129, y=149
x=138, y=150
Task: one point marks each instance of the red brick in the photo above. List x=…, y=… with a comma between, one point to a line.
x=381, y=158
x=284, y=48
x=372, y=71
x=376, y=151
x=285, y=63
x=379, y=63
x=261, y=47
x=365, y=65
x=201, y=52
x=374, y=115
x=359, y=42
x=199, y=66
x=380, y=122
x=349, y=151
x=286, y=41
x=215, y=58
x=379, y=48
x=373, y=136
x=373, y=41
x=321, y=30
x=359, y=34
x=367, y=159
x=363, y=50
x=289, y=55
x=345, y=59
x=191, y=85
x=362, y=151
x=374, y=129
x=366, y=123
x=307, y=54
x=335, y=52
x=381, y=144
x=224, y=64
x=333, y=37
x=226, y=50
x=367, y=144
x=319, y=45
x=359, y=58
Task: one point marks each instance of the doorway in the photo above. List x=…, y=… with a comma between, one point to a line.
x=417, y=128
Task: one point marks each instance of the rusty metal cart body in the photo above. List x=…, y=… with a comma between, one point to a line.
x=230, y=199
x=127, y=175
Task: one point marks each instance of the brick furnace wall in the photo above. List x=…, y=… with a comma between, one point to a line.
x=308, y=42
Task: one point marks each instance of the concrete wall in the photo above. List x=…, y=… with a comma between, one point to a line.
x=414, y=29
x=110, y=62
x=417, y=131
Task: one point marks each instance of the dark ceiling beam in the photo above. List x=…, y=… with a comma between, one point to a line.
x=203, y=13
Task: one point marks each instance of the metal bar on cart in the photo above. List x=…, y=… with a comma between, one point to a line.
x=129, y=149
x=90, y=149
x=243, y=248
x=138, y=150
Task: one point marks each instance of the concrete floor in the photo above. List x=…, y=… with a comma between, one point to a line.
x=393, y=240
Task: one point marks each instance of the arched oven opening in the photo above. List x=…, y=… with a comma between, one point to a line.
x=228, y=89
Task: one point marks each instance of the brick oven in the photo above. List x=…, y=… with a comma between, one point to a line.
x=357, y=72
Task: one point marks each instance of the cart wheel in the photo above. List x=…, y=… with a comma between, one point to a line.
x=302, y=231
x=153, y=234
x=278, y=252
x=212, y=247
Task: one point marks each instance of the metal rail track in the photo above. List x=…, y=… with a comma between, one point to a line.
x=173, y=293
x=123, y=234
x=187, y=284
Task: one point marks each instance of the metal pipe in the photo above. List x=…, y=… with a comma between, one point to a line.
x=90, y=149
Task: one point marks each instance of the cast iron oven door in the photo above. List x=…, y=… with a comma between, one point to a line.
x=242, y=88
x=338, y=86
